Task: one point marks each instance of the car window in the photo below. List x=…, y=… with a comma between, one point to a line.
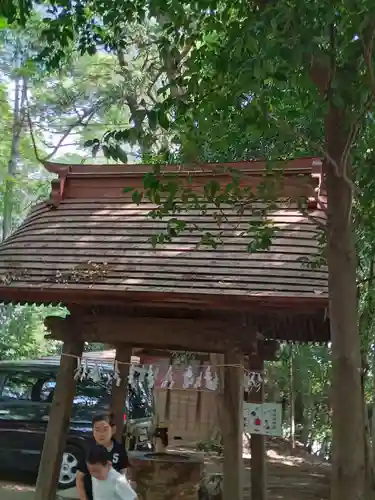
x=47, y=390
x=28, y=386
x=39, y=387
x=20, y=387
x=89, y=393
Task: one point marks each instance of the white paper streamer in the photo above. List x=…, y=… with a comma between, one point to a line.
x=254, y=381
x=206, y=379
x=96, y=373
x=116, y=375
x=168, y=381
x=78, y=370
x=188, y=377
x=85, y=370
x=211, y=383
x=198, y=381
x=131, y=375
x=150, y=377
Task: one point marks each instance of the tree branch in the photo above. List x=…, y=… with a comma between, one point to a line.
x=86, y=115
x=82, y=121
x=316, y=145
x=368, y=53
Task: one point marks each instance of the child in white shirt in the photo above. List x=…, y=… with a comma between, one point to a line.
x=107, y=483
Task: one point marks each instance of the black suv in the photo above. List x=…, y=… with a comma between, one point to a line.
x=26, y=392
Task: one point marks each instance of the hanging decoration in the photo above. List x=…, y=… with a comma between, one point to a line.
x=188, y=377
x=198, y=381
x=253, y=381
x=96, y=373
x=82, y=370
x=116, y=375
x=168, y=381
x=149, y=377
x=167, y=376
x=78, y=370
x=211, y=383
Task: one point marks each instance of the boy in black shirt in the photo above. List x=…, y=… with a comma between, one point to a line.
x=103, y=430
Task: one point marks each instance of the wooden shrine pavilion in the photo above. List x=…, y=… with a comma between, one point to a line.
x=88, y=247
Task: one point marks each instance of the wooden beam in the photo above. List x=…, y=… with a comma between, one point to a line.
x=59, y=417
x=266, y=349
x=257, y=442
x=172, y=333
x=120, y=391
x=233, y=430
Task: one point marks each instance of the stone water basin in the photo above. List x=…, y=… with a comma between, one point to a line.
x=166, y=476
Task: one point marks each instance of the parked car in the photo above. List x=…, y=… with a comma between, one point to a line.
x=26, y=392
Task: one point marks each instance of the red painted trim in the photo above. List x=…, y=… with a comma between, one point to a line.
x=96, y=297
x=62, y=185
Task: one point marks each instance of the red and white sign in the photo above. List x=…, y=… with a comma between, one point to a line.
x=263, y=418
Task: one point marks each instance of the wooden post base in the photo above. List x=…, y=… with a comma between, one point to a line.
x=120, y=392
x=257, y=445
x=233, y=426
x=59, y=416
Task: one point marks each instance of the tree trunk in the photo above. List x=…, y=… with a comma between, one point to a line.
x=292, y=401
x=308, y=418
x=367, y=435
x=271, y=390
x=323, y=451
x=373, y=411
x=18, y=118
x=348, y=460
x=371, y=432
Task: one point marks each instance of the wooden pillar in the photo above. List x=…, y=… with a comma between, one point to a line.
x=233, y=427
x=257, y=442
x=59, y=417
x=120, y=392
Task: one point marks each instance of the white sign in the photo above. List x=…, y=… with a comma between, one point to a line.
x=263, y=418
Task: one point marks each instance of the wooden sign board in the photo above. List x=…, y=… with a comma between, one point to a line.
x=263, y=419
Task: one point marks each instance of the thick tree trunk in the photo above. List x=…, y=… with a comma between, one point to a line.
x=348, y=460
x=307, y=422
x=292, y=401
x=370, y=490
x=373, y=413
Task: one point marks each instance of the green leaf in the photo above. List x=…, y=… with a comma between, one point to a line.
x=163, y=120
x=150, y=181
x=90, y=142
x=121, y=155
x=154, y=240
x=211, y=189
x=137, y=197
x=95, y=149
x=152, y=119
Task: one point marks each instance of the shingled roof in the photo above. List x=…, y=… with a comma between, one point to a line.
x=91, y=240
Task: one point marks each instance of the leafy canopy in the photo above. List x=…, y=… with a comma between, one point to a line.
x=241, y=71
x=242, y=81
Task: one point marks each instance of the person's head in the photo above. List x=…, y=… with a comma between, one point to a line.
x=98, y=463
x=103, y=428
